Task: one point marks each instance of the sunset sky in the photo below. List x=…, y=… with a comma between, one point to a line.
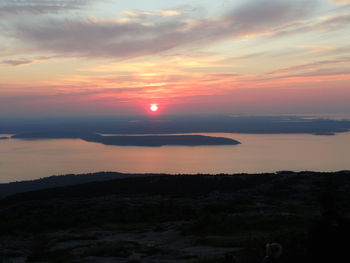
x=117, y=57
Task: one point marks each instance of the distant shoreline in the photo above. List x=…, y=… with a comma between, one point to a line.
x=178, y=125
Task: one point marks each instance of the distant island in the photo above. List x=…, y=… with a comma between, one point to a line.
x=137, y=140
x=324, y=133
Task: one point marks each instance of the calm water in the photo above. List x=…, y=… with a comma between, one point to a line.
x=23, y=160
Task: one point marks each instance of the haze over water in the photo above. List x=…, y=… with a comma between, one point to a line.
x=25, y=160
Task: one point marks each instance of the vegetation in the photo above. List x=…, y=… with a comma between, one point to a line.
x=160, y=217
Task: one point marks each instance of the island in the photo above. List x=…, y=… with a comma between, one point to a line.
x=324, y=133
x=134, y=140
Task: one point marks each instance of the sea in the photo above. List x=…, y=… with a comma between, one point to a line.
x=258, y=153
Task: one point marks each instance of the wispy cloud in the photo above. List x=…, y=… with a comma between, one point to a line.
x=94, y=38
x=341, y=2
x=8, y=7
x=162, y=13
x=313, y=65
x=23, y=61
x=17, y=62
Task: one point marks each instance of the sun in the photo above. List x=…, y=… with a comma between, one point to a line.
x=154, y=107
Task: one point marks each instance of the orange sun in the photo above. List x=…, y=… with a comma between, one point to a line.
x=154, y=107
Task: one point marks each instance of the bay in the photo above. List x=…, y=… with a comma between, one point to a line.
x=25, y=160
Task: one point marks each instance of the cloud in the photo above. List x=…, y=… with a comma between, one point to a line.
x=318, y=48
x=94, y=38
x=168, y=13
x=23, y=61
x=314, y=72
x=313, y=65
x=341, y=2
x=261, y=14
x=8, y=7
x=161, y=13
x=16, y=62
x=319, y=75
x=340, y=20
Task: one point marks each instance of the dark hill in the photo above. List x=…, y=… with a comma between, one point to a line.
x=168, y=218
x=59, y=181
x=170, y=185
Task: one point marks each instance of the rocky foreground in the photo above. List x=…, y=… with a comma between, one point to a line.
x=169, y=218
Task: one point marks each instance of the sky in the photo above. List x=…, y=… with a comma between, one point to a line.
x=117, y=57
